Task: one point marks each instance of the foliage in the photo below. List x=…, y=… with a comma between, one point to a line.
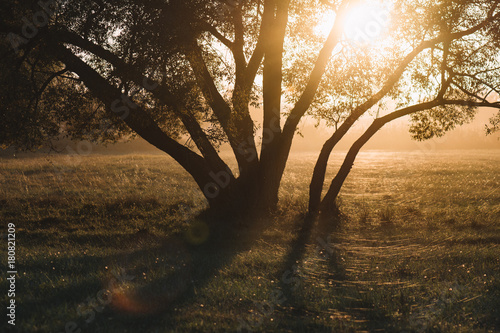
x=175, y=70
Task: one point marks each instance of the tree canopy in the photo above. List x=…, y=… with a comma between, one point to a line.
x=170, y=69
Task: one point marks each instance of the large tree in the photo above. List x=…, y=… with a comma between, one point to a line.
x=169, y=69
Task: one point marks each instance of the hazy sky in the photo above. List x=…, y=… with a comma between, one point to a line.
x=395, y=136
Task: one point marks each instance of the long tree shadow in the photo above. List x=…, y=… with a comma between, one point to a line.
x=353, y=278
x=146, y=283
x=294, y=256
x=319, y=236
x=327, y=238
x=143, y=285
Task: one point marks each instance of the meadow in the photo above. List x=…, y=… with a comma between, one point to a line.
x=113, y=243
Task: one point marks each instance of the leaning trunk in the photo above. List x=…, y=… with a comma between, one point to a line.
x=328, y=206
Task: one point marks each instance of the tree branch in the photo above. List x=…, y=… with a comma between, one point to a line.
x=221, y=109
x=273, y=71
x=137, y=119
x=213, y=30
x=129, y=72
x=377, y=124
x=307, y=96
x=207, y=85
x=321, y=164
x=258, y=54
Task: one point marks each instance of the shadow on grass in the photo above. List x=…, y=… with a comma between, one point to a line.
x=293, y=258
x=135, y=289
x=488, y=308
x=324, y=235
x=293, y=306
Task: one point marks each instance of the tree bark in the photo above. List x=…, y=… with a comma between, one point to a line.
x=140, y=122
x=328, y=206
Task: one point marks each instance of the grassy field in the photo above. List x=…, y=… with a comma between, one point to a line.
x=113, y=244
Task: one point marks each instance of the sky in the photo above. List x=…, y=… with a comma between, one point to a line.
x=393, y=137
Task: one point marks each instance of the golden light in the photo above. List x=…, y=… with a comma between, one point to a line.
x=365, y=22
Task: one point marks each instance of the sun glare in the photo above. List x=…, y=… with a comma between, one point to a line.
x=364, y=23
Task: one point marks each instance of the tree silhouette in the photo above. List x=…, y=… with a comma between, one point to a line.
x=165, y=70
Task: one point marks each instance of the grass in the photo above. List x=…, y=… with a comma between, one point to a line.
x=112, y=244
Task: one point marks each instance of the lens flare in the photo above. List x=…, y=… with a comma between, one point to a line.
x=366, y=22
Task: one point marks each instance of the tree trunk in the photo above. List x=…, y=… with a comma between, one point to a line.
x=328, y=206
x=253, y=196
x=318, y=178
x=267, y=196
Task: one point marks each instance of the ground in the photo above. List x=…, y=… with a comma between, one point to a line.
x=113, y=244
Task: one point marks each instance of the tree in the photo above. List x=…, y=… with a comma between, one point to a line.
x=166, y=69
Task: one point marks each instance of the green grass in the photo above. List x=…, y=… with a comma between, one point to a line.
x=419, y=250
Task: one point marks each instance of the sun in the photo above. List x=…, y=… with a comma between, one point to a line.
x=365, y=22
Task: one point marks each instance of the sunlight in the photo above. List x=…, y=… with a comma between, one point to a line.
x=365, y=22
x=325, y=23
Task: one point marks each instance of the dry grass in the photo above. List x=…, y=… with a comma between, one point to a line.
x=419, y=252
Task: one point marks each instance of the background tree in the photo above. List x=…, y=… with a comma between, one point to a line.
x=446, y=65
x=102, y=70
